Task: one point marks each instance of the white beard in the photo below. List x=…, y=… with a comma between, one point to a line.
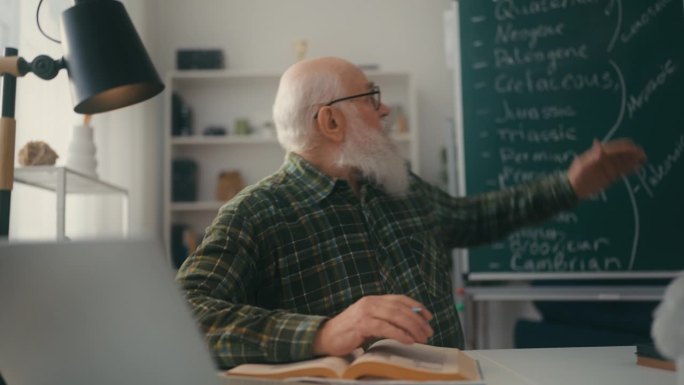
x=375, y=156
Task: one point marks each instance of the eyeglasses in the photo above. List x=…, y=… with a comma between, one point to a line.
x=375, y=99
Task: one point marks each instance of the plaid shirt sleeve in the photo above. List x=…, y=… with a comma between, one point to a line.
x=484, y=218
x=214, y=280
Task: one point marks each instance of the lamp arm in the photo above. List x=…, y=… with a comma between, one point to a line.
x=42, y=66
x=13, y=65
x=46, y=67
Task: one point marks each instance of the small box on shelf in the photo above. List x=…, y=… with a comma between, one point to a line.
x=188, y=59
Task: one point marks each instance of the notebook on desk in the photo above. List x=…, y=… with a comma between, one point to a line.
x=96, y=313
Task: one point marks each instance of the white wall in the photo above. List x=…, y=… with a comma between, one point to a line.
x=9, y=31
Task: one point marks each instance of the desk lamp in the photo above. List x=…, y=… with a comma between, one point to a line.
x=107, y=65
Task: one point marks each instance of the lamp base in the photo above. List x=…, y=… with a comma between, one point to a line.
x=82, y=151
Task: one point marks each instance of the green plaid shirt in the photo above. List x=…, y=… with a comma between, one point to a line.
x=299, y=247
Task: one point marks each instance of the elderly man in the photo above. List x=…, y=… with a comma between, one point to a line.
x=343, y=244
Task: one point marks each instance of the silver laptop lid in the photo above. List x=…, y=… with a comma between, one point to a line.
x=96, y=313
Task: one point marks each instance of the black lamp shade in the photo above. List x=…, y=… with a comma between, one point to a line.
x=106, y=60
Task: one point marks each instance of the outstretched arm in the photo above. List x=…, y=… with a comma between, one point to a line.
x=483, y=218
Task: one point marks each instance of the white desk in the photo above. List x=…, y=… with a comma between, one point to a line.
x=571, y=366
x=560, y=366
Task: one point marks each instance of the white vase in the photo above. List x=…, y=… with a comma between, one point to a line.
x=82, y=151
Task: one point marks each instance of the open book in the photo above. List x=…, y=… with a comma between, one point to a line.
x=388, y=359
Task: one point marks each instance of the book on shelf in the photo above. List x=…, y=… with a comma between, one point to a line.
x=384, y=359
x=648, y=355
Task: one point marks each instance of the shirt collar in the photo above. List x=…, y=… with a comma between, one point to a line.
x=318, y=183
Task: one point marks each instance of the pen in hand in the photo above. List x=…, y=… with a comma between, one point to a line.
x=419, y=310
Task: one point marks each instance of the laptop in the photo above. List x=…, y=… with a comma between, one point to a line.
x=98, y=312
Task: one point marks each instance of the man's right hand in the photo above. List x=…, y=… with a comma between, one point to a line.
x=383, y=316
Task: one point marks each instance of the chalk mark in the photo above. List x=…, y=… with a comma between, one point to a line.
x=623, y=103
x=618, y=25
x=635, y=210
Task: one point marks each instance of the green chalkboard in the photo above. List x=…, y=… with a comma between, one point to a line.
x=540, y=80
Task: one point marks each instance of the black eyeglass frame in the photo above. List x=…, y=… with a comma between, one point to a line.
x=375, y=90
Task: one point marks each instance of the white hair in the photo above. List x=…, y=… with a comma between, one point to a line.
x=299, y=96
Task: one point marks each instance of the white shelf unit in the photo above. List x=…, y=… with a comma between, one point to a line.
x=218, y=98
x=63, y=181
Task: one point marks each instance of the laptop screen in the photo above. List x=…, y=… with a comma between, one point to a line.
x=105, y=312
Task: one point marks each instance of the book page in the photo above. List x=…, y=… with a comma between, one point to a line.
x=332, y=367
x=392, y=359
x=375, y=381
x=319, y=367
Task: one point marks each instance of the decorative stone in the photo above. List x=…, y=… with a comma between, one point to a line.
x=37, y=153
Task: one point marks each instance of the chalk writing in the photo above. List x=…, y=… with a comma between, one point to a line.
x=505, y=83
x=533, y=113
x=561, y=263
x=635, y=103
x=566, y=218
x=546, y=247
x=510, y=176
x=560, y=133
x=551, y=251
x=510, y=9
x=507, y=33
x=511, y=57
x=511, y=155
x=542, y=232
x=553, y=157
x=645, y=19
x=551, y=76
x=652, y=175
